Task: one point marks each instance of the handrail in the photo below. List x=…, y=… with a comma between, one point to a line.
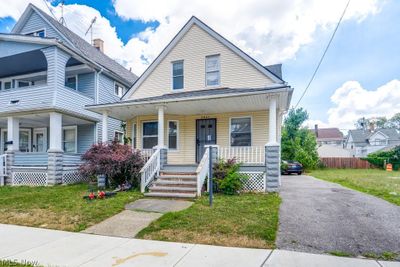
x=249, y=154
x=3, y=168
x=202, y=170
x=150, y=170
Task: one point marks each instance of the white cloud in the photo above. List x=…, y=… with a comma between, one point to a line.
x=351, y=102
x=270, y=31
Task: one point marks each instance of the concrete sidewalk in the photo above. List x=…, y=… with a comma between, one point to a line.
x=57, y=248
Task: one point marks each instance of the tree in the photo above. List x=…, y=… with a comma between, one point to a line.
x=394, y=122
x=298, y=143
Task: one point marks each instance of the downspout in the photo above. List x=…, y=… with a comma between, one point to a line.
x=96, y=100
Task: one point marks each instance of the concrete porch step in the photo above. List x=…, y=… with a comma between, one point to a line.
x=163, y=182
x=170, y=195
x=176, y=189
x=176, y=173
x=178, y=177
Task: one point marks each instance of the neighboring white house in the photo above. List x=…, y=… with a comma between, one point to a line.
x=363, y=142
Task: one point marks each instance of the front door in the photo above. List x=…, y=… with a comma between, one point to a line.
x=40, y=140
x=206, y=134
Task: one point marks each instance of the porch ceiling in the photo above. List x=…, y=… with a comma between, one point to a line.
x=42, y=120
x=32, y=61
x=198, y=106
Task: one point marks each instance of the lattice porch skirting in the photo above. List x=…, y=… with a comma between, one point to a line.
x=256, y=182
x=71, y=175
x=32, y=177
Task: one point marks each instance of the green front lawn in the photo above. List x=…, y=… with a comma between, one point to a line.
x=246, y=220
x=375, y=182
x=58, y=207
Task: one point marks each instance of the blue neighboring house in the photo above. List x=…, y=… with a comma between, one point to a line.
x=48, y=75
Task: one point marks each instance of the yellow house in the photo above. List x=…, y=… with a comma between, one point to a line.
x=203, y=93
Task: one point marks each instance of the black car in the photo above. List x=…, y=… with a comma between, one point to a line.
x=291, y=166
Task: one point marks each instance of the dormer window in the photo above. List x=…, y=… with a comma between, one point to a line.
x=213, y=71
x=39, y=33
x=177, y=75
x=119, y=90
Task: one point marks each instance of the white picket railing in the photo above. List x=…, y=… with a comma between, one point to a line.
x=3, y=168
x=150, y=170
x=146, y=153
x=248, y=154
x=203, y=170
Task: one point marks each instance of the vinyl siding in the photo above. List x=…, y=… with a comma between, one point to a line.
x=86, y=84
x=192, y=49
x=35, y=23
x=187, y=132
x=13, y=48
x=85, y=137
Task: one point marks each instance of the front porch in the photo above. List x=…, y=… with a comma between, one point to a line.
x=181, y=128
x=43, y=148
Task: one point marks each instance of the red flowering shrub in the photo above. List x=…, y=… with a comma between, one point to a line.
x=118, y=162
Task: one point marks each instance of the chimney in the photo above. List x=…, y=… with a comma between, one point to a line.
x=99, y=44
x=316, y=130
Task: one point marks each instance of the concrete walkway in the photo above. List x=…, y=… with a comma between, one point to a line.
x=57, y=248
x=322, y=217
x=137, y=216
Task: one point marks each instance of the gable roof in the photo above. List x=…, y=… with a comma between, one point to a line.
x=360, y=137
x=195, y=21
x=329, y=134
x=391, y=133
x=78, y=43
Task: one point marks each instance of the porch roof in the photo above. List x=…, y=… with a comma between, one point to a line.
x=209, y=101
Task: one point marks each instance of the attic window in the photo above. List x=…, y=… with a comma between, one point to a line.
x=40, y=33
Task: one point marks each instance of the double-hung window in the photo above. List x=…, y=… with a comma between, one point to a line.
x=240, y=131
x=119, y=90
x=70, y=139
x=213, y=76
x=173, y=135
x=177, y=75
x=71, y=82
x=150, y=134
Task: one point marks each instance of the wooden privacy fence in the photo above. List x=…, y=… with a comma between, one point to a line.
x=346, y=163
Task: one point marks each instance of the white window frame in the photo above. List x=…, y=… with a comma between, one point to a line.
x=76, y=81
x=4, y=130
x=36, y=31
x=123, y=89
x=134, y=125
x=206, y=72
x=143, y=136
x=172, y=75
x=40, y=130
x=74, y=127
x=3, y=83
x=251, y=130
x=120, y=132
x=177, y=135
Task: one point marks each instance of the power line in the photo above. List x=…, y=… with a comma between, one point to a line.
x=323, y=55
x=51, y=11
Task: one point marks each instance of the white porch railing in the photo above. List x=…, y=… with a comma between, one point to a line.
x=248, y=154
x=203, y=170
x=150, y=170
x=3, y=168
x=146, y=153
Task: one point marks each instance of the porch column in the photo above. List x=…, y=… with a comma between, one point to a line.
x=13, y=134
x=104, y=128
x=55, y=152
x=160, y=142
x=272, y=151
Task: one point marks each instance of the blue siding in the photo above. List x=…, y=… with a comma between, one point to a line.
x=86, y=84
x=35, y=23
x=31, y=159
x=12, y=48
x=85, y=137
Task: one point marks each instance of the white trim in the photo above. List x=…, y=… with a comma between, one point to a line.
x=177, y=136
x=120, y=85
x=214, y=34
x=251, y=129
x=40, y=130
x=134, y=125
x=75, y=127
x=123, y=135
x=76, y=81
x=142, y=135
x=172, y=75
x=35, y=31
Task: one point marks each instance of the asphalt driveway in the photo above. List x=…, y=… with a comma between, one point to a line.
x=322, y=217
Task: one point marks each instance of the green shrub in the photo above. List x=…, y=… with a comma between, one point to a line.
x=227, y=178
x=378, y=159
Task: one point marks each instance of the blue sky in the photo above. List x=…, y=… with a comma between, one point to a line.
x=366, y=51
